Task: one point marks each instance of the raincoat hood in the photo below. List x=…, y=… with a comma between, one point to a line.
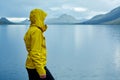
x=37, y=17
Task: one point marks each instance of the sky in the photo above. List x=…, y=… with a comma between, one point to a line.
x=80, y=9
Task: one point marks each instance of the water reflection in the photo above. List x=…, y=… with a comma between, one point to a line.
x=78, y=37
x=117, y=56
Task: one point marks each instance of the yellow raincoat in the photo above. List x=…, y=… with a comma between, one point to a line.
x=35, y=42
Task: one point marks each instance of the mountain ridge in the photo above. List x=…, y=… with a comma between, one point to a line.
x=103, y=18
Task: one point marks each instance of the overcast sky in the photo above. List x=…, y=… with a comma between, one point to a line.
x=78, y=8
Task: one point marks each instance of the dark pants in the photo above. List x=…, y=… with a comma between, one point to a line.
x=33, y=75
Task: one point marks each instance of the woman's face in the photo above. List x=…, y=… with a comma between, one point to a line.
x=45, y=28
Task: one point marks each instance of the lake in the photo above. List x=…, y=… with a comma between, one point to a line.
x=75, y=52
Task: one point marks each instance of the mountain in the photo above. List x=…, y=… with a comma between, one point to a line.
x=113, y=15
x=63, y=19
x=113, y=22
x=97, y=17
x=25, y=22
x=3, y=20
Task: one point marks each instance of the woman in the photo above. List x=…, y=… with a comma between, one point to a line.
x=36, y=47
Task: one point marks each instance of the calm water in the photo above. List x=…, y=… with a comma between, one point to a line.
x=75, y=52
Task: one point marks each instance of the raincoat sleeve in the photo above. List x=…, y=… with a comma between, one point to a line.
x=36, y=52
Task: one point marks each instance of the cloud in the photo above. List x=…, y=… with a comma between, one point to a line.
x=55, y=8
x=68, y=7
x=110, y=4
x=16, y=19
x=94, y=13
x=79, y=9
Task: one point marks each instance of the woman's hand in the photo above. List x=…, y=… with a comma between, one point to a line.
x=42, y=76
